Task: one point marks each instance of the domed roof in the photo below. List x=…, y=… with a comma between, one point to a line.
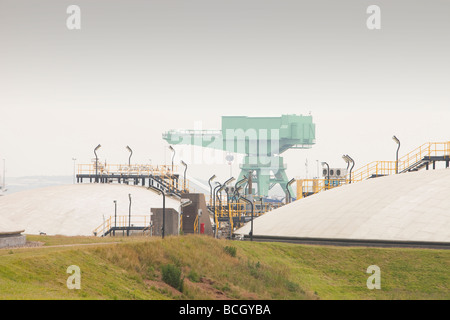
x=7, y=227
x=405, y=207
x=77, y=209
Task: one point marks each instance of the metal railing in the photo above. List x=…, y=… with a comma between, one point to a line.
x=429, y=149
x=125, y=169
x=383, y=168
x=306, y=187
x=192, y=132
x=121, y=221
x=375, y=169
x=164, y=172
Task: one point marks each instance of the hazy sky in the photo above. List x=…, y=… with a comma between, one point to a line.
x=139, y=68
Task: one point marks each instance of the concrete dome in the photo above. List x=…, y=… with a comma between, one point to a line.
x=76, y=209
x=7, y=227
x=10, y=234
x=405, y=207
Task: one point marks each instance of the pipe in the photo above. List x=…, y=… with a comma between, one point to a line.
x=251, y=223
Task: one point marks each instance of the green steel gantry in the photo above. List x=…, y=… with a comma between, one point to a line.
x=261, y=139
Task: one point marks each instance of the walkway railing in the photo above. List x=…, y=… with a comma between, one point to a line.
x=168, y=177
x=125, y=169
x=121, y=221
x=373, y=169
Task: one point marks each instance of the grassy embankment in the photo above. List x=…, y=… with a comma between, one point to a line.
x=131, y=268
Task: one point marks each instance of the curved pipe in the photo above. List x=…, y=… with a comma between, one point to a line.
x=353, y=165
x=211, y=188
x=184, y=177
x=131, y=153
x=288, y=191
x=96, y=162
x=237, y=185
x=396, y=156
x=173, y=156
x=214, y=206
x=251, y=223
x=223, y=186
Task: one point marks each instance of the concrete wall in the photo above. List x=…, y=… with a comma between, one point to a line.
x=12, y=240
x=190, y=213
x=171, y=221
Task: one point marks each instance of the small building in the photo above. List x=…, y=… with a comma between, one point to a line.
x=10, y=235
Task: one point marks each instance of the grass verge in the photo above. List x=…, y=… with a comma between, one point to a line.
x=133, y=269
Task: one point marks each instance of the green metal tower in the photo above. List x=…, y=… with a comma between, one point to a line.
x=261, y=139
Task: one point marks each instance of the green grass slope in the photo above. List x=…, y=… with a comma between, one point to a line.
x=131, y=268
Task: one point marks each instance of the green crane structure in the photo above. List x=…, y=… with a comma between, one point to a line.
x=261, y=139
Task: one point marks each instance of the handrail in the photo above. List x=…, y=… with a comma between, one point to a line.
x=376, y=168
x=162, y=171
x=193, y=132
x=133, y=169
x=379, y=168
x=313, y=186
x=122, y=221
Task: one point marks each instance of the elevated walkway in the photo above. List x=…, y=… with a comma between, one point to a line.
x=424, y=157
x=166, y=176
x=123, y=224
x=417, y=159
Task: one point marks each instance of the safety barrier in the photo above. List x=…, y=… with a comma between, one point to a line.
x=374, y=169
x=122, y=221
x=125, y=169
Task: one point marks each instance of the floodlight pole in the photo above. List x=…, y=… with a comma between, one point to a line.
x=238, y=186
x=96, y=162
x=353, y=164
x=214, y=206
x=251, y=222
x=160, y=191
x=348, y=159
x=288, y=191
x=131, y=153
x=223, y=186
x=211, y=188
x=184, y=178
x=396, y=156
x=173, y=155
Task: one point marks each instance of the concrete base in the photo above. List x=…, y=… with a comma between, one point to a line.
x=12, y=240
x=171, y=221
